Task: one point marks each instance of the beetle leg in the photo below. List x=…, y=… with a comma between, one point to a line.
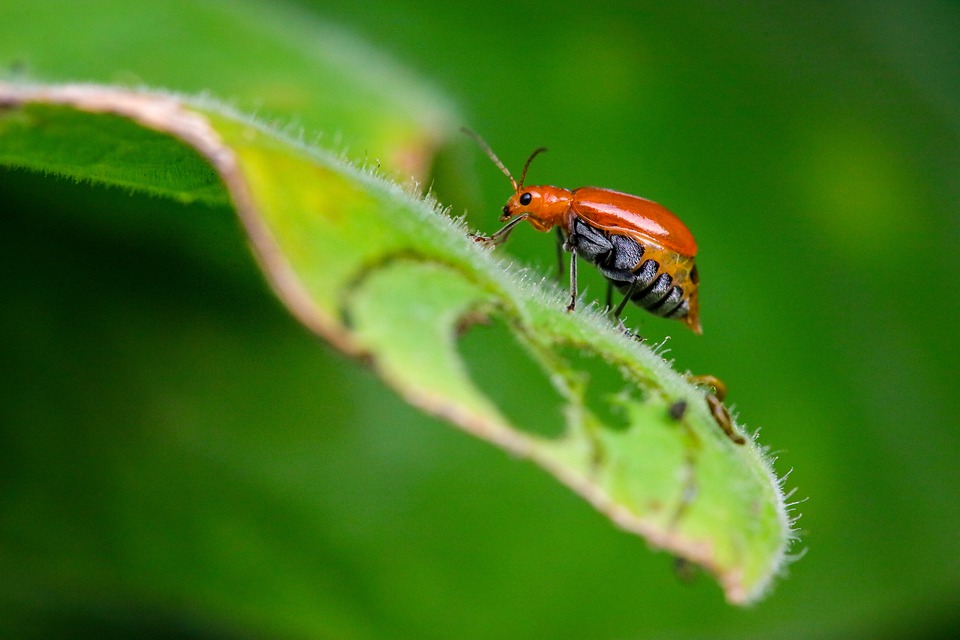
x=500, y=236
x=622, y=327
x=560, y=242
x=626, y=298
x=609, y=296
x=573, y=278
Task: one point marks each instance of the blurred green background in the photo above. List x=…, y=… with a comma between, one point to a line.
x=178, y=456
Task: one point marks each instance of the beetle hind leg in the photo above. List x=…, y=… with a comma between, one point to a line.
x=626, y=298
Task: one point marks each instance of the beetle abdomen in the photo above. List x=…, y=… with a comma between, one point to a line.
x=661, y=297
x=662, y=282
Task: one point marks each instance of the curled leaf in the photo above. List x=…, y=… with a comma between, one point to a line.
x=388, y=277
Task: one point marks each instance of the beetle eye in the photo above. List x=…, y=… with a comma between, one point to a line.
x=525, y=199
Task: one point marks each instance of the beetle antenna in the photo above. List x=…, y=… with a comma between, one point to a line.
x=523, y=176
x=486, y=148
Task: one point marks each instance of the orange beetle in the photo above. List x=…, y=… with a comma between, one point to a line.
x=638, y=245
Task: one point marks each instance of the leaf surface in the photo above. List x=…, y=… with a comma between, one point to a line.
x=386, y=276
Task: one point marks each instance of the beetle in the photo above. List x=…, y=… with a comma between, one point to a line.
x=642, y=249
x=638, y=245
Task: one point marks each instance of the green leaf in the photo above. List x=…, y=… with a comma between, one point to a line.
x=388, y=277
x=271, y=59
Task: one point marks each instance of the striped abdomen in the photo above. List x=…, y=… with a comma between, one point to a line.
x=662, y=282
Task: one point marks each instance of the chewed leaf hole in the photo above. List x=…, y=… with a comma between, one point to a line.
x=504, y=370
x=386, y=277
x=605, y=389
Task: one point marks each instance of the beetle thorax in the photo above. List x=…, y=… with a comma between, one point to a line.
x=545, y=207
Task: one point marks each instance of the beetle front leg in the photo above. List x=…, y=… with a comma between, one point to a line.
x=500, y=236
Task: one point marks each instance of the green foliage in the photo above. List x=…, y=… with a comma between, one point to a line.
x=180, y=457
x=385, y=276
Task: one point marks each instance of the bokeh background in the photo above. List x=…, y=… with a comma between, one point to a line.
x=178, y=456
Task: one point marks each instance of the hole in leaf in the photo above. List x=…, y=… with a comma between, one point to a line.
x=505, y=371
x=606, y=388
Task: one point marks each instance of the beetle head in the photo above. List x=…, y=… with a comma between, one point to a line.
x=542, y=206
